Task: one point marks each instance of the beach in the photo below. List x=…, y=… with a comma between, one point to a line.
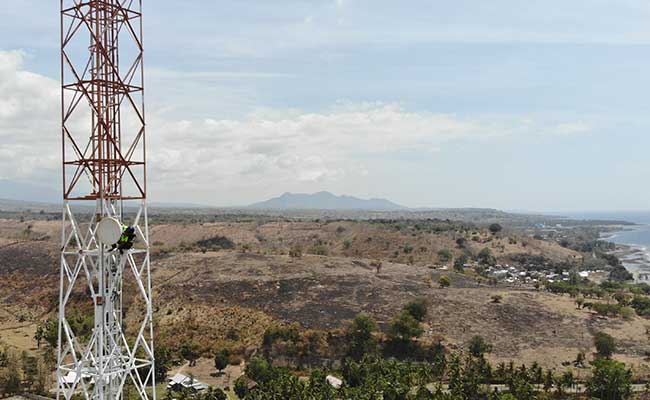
x=633, y=248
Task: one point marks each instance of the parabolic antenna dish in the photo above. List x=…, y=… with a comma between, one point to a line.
x=109, y=230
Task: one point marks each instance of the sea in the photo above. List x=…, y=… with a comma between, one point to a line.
x=636, y=237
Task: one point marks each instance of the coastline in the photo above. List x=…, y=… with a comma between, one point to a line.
x=634, y=257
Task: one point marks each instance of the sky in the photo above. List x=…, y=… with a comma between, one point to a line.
x=535, y=105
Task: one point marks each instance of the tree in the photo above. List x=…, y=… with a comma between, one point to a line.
x=241, y=387
x=567, y=381
x=417, y=308
x=460, y=242
x=259, y=370
x=221, y=359
x=444, y=281
x=163, y=356
x=478, y=346
x=605, y=345
x=361, y=337
x=495, y=228
x=459, y=263
x=444, y=255
x=404, y=327
x=610, y=380
x=39, y=335
x=485, y=257
x=189, y=351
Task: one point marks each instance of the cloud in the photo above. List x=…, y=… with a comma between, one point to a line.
x=278, y=149
x=572, y=128
x=29, y=119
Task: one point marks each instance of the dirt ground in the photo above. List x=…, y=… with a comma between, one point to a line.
x=229, y=297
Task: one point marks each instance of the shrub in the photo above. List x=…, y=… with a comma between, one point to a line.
x=496, y=298
x=295, y=252
x=444, y=255
x=404, y=327
x=241, y=387
x=605, y=345
x=221, y=359
x=361, y=337
x=216, y=243
x=417, y=309
x=478, y=346
x=495, y=228
x=444, y=281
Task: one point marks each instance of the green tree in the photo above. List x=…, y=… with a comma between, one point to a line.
x=478, y=346
x=190, y=352
x=459, y=263
x=417, y=308
x=610, y=380
x=163, y=356
x=259, y=370
x=444, y=255
x=404, y=327
x=495, y=228
x=444, y=281
x=241, y=387
x=485, y=257
x=605, y=345
x=39, y=335
x=361, y=338
x=221, y=359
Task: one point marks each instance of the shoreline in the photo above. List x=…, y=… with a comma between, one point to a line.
x=634, y=257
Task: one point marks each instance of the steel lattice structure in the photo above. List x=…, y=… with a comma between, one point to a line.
x=104, y=175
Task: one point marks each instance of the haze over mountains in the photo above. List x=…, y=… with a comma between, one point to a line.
x=325, y=201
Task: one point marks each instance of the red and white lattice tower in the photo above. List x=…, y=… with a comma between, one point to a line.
x=104, y=187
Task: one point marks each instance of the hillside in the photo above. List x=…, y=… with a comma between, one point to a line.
x=223, y=283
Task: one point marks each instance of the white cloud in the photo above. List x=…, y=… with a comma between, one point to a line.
x=29, y=119
x=277, y=149
x=572, y=128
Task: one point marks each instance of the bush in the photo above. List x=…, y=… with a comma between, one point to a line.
x=280, y=332
x=417, y=309
x=444, y=255
x=259, y=370
x=444, y=281
x=241, y=387
x=221, y=359
x=319, y=250
x=605, y=345
x=216, y=243
x=495, y=228
x=496, y=298
x=360, y=335
x=459, y=264
x=486, y=257
x=404, y=327
x=478, y=346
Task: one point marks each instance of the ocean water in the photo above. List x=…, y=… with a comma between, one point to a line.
x=638, y=238
x=634, y=236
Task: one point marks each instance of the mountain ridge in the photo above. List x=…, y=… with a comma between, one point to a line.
x=324, y=200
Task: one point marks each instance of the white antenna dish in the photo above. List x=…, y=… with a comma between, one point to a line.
x=109, y=230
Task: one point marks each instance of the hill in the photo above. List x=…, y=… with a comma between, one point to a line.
x=325, y=201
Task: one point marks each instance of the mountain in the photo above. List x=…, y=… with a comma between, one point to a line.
x=325, y=201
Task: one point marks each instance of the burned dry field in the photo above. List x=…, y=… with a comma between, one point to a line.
x=225, y=283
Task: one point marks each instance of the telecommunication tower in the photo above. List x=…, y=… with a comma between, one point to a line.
x=104, y=191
